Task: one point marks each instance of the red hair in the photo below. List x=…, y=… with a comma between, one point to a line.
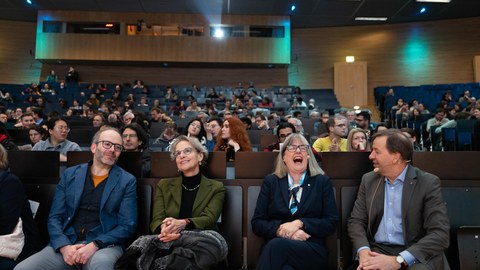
x=237, y=132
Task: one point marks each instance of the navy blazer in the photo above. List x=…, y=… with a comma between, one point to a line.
x=317, y=208
x=118, y=208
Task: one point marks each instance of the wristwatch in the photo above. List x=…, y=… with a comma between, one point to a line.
x=401, y=261
x=98, y=244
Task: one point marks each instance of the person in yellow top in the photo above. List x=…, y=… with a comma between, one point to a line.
x=335, y=141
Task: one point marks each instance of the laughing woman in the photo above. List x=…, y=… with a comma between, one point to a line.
x=295, y=210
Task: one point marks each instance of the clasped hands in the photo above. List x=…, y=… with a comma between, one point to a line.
x=292, y=230
x=78, y=253
x=171, y=228
x=370, y=260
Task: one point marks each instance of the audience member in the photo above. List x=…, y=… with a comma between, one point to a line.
x=36, y=133
x=283, y=131
x=128, y=118
x=72, y=76
x=295, y=211
x=261, y=122
x=93, y=214
x=363, y=122
x=195, y=129
x=412, y=136
x=357, y=141
x=26, y=121
x=18, y=231
x=399, y=219
x=135, y=139
x=297, y=123
x=98, y=120
x=52, y=78
x=185, y=209
x=168, y=135
x=335, y=141
x=233, y=138
x=438, y=120
x=213, y=128
x=467, y=98
x=58, y=129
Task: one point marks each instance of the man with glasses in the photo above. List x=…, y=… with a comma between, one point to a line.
x=335, y=141
x=93, y=214
x=58, y=129
x=283, y=130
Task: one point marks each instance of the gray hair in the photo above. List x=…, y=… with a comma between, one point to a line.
x=197, y=145
x=101, y=130
x=281, y=169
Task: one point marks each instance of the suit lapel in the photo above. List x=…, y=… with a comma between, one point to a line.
x=378, y=194
x=408, y=188
x=283, y=186
x=112, y=181
x=203, y=194
x=306, y=191
x=175, y=191
x=79, y=184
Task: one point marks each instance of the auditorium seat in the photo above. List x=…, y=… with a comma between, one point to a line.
x=231, y=224
x=449, y=165
x=267, y=139
x=346, y=165
x=144, y=206
x=462, y=211
x=469, y=247
x=348, y=197
x=254, y=165
x=34, y=164
x=43, y=194
x=255, y=243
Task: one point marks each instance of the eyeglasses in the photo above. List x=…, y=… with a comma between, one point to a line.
x=187, y=151
x=67, y=129
x=108, y=144
x=284, y=135
x=195, y=126
x=301, y=147
x=131, y=136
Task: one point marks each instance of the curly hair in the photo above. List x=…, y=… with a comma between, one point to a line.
x=237, y=132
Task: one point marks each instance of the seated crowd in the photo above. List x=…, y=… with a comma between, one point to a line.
x=94, y=211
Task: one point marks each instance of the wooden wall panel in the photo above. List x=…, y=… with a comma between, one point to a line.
x=17, y=65
x=203, y=49
x=435, y=52
x=262, y=77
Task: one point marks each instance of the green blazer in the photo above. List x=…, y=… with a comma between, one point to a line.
x=207, y=206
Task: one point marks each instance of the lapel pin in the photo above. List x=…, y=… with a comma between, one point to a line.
x=308, y=184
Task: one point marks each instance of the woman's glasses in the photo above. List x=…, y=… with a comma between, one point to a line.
x=187, y=151
x=301, y=147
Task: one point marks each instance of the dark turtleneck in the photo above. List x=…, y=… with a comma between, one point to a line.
x=188, y=194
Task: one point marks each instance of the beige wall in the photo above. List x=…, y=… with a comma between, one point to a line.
x=401, y=54
x=434, y=52
x=16, y=63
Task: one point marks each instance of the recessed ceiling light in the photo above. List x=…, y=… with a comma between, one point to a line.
x=371, y=19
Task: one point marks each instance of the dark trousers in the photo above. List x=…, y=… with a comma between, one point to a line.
x=7, y=264
x=283, y=254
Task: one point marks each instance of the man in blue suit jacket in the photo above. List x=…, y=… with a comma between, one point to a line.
x=93, y=214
